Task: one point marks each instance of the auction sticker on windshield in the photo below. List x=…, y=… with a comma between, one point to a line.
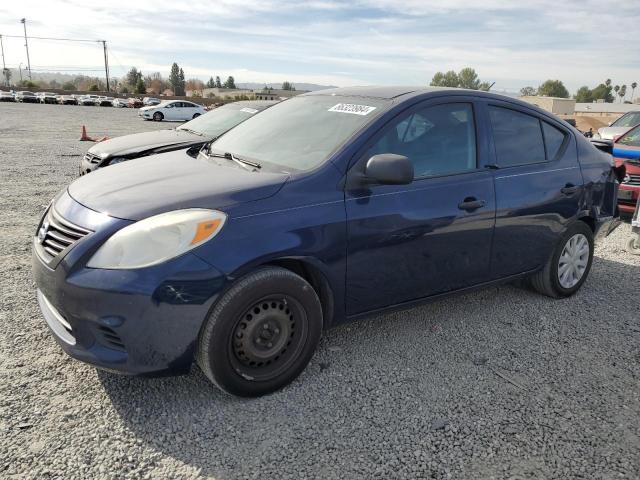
x=352, y=108
x=249, y=110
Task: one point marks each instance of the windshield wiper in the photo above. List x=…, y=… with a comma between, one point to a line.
x=191, y=131
x=240, y=161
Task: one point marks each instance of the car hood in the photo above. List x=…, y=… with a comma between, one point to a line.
x=171, y=181
x=608, y=133
x=141, y=142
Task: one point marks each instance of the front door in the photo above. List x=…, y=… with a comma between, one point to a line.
x=431, y=236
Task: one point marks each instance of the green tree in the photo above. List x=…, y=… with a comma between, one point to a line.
x=616, y=89
x=288, y=86
x=133, y=76
x=468, y=78
x=94, y=88
x=553, y=88
x=633, y=89
x=448, y=79
x=622, y=93
x=140, y=87
x=602, y=92
x=68, y=86
x=211, y=83
x=584, y=95
x=528, y=91
x=176, y=79
x=218, y=82
x=230, y=83
x=124, y=90
x=607, y=82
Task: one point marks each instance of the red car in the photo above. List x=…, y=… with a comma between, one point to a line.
x=626, y=149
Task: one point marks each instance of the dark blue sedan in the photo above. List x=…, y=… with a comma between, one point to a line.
x=327, y=207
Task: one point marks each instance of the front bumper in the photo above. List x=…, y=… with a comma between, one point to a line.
x=143, y=321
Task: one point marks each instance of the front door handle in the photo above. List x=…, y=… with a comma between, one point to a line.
x=471, y=203
x=569, y=189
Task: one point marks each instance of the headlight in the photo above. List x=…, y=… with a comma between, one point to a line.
x=157, y=239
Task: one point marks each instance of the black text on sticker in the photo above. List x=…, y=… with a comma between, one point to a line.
x=352, y=108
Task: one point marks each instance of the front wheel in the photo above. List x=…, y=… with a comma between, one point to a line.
x=158, y=117
x=195, y=115
x=569, y=266
x=261, y=333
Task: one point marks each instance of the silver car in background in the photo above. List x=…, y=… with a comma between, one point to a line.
x=618, y=127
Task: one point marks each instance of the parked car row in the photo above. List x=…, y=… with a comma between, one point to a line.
x=238, y=249
x=76, y=99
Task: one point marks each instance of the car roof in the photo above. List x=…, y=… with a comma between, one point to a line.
x=257, y=104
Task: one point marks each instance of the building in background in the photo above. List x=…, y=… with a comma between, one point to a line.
x=555, y=105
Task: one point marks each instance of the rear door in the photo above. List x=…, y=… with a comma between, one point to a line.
x=434, y=235
x=538, y=186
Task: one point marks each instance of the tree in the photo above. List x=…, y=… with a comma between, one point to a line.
x=176, y=79
x=288, y=86
x=7, y=76
x=211, y=83
x=230, y=83
x=449, y=79
x=602, y=92
x=133, y=76
x=124, y=90
x=94, y=88
x=68, y=86
x=633, y=89
x=553, y=88
x=584, y=95
x=616, y=89
x=528, y=91
x=607, y=82
x=194, y=84
x=140, y=88
x=468, y=78
x=622, y=93
x=218, y=83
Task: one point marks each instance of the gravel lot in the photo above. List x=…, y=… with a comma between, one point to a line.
x=502, y=383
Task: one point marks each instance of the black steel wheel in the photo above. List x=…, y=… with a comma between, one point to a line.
x=261, y=333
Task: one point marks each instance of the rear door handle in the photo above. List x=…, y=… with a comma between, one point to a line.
x=471, y=203
x=569, y=189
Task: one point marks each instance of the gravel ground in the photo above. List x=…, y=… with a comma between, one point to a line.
x=502, y=383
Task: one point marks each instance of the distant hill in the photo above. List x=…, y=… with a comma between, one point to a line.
x=312, y=87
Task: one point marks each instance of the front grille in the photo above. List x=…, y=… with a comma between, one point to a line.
x=91, y=158
x=634, y=179
x=57, y=234
x=110, y=338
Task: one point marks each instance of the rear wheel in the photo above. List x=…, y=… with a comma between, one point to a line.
x=261, y=334
x=569, y=266
x=158, y=116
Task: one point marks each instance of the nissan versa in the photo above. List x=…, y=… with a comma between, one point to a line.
x=327, y=207
x=192, y=134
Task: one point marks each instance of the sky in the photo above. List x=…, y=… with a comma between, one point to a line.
x=333, y=42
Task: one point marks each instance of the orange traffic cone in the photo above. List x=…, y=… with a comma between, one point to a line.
x=84, y=137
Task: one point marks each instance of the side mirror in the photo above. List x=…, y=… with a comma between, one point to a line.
x=389, y=169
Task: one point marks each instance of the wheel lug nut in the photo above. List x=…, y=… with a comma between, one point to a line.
x=269, y=345
x=276, y=331
x=265, y=326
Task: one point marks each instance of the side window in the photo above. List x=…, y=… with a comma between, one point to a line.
x=170, y=105
x=439, y=140
x=517, y=137
x=553, y=139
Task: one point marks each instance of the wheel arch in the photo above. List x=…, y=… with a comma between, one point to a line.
x=312, y=273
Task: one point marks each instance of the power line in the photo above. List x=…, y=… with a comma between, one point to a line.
x=54, y=38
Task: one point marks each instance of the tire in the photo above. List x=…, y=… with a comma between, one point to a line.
x=158, y=117
x=261, y=333
x=195, y=115
x=633, y=245
x=548, y=281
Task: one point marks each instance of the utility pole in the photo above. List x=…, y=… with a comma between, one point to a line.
x=106, y=62
x=4, y=67
x=26, y=44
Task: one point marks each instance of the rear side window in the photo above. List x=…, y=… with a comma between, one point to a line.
x=517, y=137
x=553, y=139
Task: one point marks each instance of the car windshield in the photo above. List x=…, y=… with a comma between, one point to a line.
x=631, y=138
x=218, y=121
x=630, y=119
x=302, y=132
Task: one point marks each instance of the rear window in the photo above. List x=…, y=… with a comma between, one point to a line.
x=553, y=139
x=517, y=137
